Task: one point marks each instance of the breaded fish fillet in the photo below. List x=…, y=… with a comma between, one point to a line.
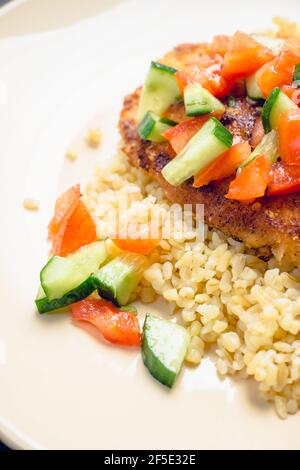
x=269, y=222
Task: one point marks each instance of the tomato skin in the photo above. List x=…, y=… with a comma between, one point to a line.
x=278, y=72
x=207, y=72
x=288, y=90
x=292, y=92
x=140, y=246
x=244, y=56
x=116, y=326
x=220, y=44
x=223, y=166
x=284, y=179
x=63, y=205
x=289, y=136
x=77, y=229
x=179, y=135
x=252, y=181
x=189, y=75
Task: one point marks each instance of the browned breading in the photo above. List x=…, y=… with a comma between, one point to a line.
x=241, y=119
x=268, y=222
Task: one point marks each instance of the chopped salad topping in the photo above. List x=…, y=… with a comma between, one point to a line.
x=252, y=181
x=262, y=70
x=278, y=72
x=140, y=245
x=116, y=325
x=72, y=226
x=289, y=137
x=225, y=165
x=244, y=56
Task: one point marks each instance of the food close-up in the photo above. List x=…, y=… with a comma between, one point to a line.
x=151, y=234
x=216, y=124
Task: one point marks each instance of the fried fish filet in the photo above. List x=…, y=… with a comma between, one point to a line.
x=268, y=223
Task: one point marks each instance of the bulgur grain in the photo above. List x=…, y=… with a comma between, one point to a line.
x=30, y=204
x=147, y=295
x=93, y=138
x=225, y=296
x=71, y=155
x=230, y=341
x=195, y=328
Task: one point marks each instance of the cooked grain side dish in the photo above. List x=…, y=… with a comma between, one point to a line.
x=216, y=125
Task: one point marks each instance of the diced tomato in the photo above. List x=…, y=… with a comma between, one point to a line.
x=76, y=229
x=244, y=56
x=189, y=75
x=288, y=90
x=293, y=45
x=208, y=74
x=292, y=92
x=277, y=72
x=179, y=135
x=289, y=136
x=140, y=246
x=252, y=181
x=116, y=326
x=223, y=166
x=220, y=44
x=64, y=204
x=284, y=179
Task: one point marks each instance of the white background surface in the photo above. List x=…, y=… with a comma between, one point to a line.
x=61, y=386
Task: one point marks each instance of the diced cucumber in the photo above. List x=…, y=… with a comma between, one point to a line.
x=152, y=126
x=164, y=346
x=45, y=305
x=117, y=279
x=268, y=146
x=252, y=88
x=277, y=103
x=63, y=274
x=205, y=146
x=59, y=276
x=274, y=44
x=198, y=100
x=296, y=77
x=160, y=90
x=90, y=257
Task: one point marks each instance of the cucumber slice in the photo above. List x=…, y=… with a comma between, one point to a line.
x=56, y=270
x=277, y=103
x=160, y=90
x=89, y=257
x=164, y=346
x=62, y=275
x=268, y=146
x=198, y=100
x=296, y=77
x=252, y=88
x=117, y=279
x=274, y=44
x=152, y=126
x=206, y=145
x=45, y=305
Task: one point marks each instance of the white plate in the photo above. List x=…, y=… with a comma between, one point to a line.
x=61, y=386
